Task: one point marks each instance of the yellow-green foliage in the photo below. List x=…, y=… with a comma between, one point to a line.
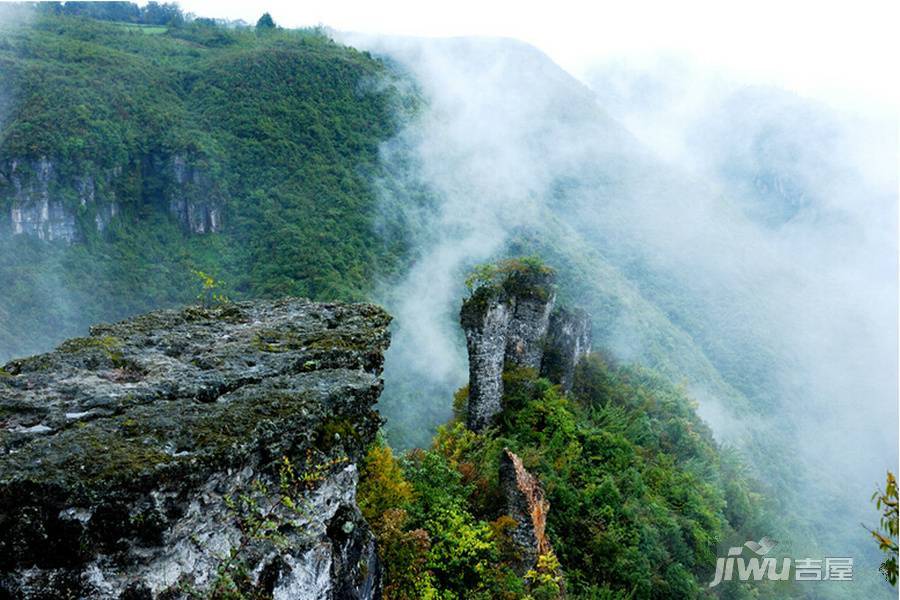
x=382, y=486
x=382, y=496
x=635, y=481
x=404, y=554
x=431, y=543
x=545, y=578
x=211, y=294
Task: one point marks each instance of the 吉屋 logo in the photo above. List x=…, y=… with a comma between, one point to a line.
x=760, y=567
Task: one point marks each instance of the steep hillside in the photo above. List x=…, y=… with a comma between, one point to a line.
x=678, y=268
x=561, y=472
x=130, y=156
x=144, y=165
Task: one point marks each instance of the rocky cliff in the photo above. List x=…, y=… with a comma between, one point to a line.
x=193, y=197
x=43, y=203
x=182, y=451
x=35, y=208
x=568, y=339
x=515, y=322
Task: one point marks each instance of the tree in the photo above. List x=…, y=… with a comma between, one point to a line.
x=886, y=502
x=265, y=22
x=161, y=14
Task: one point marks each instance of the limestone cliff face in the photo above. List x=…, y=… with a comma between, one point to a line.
x=568, y=340
x=124, y=455
x=503, y=324
x=35, y=204
x=44, y=204
x=194, y=199
x=514, y=323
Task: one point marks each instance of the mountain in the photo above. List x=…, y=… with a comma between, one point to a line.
x=143, y=165
x=766, y=304
x=131, y=156
x=229, y=450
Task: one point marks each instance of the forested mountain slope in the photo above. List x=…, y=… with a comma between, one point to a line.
x=130, y=156
x=279, y=162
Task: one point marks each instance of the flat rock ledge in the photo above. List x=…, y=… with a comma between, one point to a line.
x=122, y=454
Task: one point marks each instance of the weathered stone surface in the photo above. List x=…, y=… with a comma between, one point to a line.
x=42, y=203
x=513, y=323
x=527, y=329
x=33, y=208
x=503, y=324
x=118, y=452
x=526, y=504
x=37, y=200
x=568, y=340
x=486, y=344
x=195, y=199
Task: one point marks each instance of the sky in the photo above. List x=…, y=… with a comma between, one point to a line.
x=840, y=52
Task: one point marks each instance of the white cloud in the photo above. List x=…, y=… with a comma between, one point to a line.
x=844, y=52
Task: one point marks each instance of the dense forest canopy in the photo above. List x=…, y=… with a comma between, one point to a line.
x=287, y=126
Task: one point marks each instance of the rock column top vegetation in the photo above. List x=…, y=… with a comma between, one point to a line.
x=510, y=319
x=193, y=451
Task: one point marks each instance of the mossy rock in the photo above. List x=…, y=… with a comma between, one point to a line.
x=158, y=406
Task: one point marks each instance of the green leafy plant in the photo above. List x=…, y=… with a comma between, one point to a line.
x=511, y=272
x=887, y=502
x=545, y=580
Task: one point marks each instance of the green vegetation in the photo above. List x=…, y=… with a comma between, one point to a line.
x=512, y=275
x=265, y=22
x=887, y=503
x=282, y=130
x=211, y=294
x=641, y=496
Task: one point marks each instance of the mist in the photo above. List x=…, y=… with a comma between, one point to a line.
x=808, y=266
x=739, y=238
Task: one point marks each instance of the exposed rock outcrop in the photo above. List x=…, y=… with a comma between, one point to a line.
x=526, y=504
x=568, y=341
x=504, y=324
x=44, y=204
x=33, y=208
x=122, y=454
x=513, y=323
x=194, y=199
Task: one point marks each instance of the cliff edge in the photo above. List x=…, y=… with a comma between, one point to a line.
x=182, y=450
